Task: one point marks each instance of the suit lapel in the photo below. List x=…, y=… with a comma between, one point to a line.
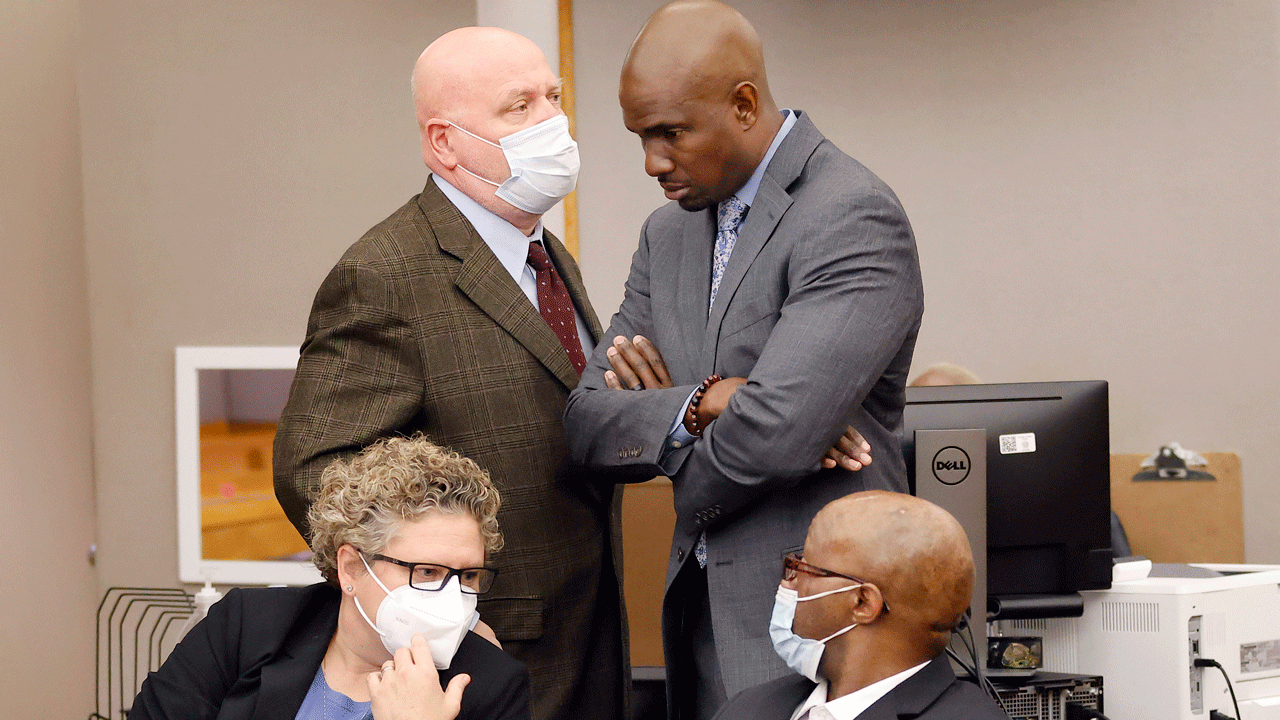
x=286, y=680
x=915, y=694
x=483, y=279
x=693, y=288
x=771, y=202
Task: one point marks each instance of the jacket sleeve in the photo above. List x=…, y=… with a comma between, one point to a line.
x=854, y=301
x=499, y=688
x=623, y=430
x=195, y=678
x=359, y=379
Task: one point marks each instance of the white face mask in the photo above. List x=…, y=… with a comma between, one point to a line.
x=801, y=654
x=442, y=617
x=544, y=165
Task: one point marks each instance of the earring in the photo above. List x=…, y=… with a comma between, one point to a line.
x=348, y=588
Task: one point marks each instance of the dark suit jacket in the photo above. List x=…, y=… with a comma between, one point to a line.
x=419, y=328
x=255, y=655
x=934, y=693
x=819, y=308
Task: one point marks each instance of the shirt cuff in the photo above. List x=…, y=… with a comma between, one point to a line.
x=678, y=437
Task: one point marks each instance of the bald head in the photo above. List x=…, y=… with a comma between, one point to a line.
x=462, y=69
x=944, y=374
x=693, y=88
x=915, y=551
x=702, y=48
x=472, y=87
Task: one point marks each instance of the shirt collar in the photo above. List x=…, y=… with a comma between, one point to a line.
x=747, y=193
x=509, y=244
x=848, y=707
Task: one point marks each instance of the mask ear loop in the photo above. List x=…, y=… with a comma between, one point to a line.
x=465, y=170
x=357, y=598
x=815, y=596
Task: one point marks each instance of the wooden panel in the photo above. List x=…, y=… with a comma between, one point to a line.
x=648, y=520
x=1181, y=520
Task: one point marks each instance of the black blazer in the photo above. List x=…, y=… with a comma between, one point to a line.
x=934, y=693
x=257, y=652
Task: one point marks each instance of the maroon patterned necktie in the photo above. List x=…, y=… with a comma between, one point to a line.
x=555, y=305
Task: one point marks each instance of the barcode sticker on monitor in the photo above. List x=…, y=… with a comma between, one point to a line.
x=1021, y=443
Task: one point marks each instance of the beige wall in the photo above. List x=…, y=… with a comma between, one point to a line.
x=47, y=516
x=232, y=151
x=1095, y=189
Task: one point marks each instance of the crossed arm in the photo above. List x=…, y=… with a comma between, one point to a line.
x=638, y=365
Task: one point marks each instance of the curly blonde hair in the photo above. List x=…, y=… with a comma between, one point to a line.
x=365, y=500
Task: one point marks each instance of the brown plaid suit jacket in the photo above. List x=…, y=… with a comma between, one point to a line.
x=419, y=328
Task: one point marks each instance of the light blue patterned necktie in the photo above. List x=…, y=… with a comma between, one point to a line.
x=729, y=215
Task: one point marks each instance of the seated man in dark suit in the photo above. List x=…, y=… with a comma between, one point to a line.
x=864, y=617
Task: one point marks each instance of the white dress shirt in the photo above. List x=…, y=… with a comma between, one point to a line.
x=848, y=707
x=511, y=247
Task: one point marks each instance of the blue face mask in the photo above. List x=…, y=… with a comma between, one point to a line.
x=800, y=654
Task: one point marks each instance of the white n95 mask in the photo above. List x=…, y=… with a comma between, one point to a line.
x=544, y=165
x=441, y=616
x=800, y=654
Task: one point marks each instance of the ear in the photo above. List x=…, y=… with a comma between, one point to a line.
x=350, y=566
x=868, y=604
x=436, y=147
x=746, y=104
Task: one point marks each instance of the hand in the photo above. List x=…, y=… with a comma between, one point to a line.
x=486, y=632
x=637, y=365
x=408, y=688
x=716, y=399
x=851, y=452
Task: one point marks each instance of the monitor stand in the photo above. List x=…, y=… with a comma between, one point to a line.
x=951, y=472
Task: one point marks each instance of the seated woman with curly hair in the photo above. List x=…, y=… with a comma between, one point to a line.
x=400, y=533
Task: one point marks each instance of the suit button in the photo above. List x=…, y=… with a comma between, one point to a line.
x=679, y=554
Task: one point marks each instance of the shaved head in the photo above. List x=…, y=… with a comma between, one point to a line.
x=458, y=71
x=693, y=88
x=915, y=551
x=472, y=87
x=704, y=47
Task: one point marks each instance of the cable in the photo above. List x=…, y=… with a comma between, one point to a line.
x=975, y=670
x=979, y=663
x=1209, y=662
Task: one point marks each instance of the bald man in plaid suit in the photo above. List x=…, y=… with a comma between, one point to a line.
x=459, y=317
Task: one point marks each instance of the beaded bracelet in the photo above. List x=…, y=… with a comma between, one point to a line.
x=692, y=422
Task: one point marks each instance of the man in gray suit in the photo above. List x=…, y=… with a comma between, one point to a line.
x=784, y=266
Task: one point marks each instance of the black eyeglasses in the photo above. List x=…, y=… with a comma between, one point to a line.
x=792, y=566
x=428, y=576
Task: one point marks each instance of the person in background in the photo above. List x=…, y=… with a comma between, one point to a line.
x=944, y=374
x=864, y=614
x=459, y=316
x=400, y=534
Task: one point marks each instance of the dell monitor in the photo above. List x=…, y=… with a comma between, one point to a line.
x=1048, y=492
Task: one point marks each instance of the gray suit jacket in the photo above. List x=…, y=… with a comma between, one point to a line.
x=934, y=693
x=819, y=308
